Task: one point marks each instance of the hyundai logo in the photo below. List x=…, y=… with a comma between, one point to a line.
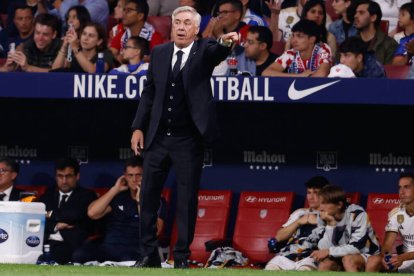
x=32, y=241
x=378, y=200
x=4, y=236
x=250, y=199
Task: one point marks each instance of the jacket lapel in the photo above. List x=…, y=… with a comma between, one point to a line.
x=186, y=69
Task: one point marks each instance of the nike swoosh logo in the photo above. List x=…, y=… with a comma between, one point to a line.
x=295, y=94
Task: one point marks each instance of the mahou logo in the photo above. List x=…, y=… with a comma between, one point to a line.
x=389, y=162
x=263, y=160
x=33, y=241
x=4, y=236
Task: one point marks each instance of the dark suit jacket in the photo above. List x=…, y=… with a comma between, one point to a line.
x=74, y=212
x=205, y=54
x=15, y=194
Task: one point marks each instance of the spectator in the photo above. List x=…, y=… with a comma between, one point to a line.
x=37, y=54
x=400, y=223
x=289, y=237
x=135, y=50
x=367, y=20
x=406, y=22
x=308, y=57
x=9, y=169
x=343, y=27
x=390, y=9
x=251, y=18
x=98, y=9
x=67, y=222
x=23, y=21
x=121, y=239
x=77, y=17
x=229, y=19
x=162, y=7
x=353, y=54
x=257, y=48
x=347, y=235
x=118, y=15
x=84, y=50
x=134, y=20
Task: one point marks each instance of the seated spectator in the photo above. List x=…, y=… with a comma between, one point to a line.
x=406, y=22
x=135, y=50
x=118, y=14
x=37, y=54
x=162, y=7
x=229, y=19
x=251, y=18
x=9, y=169
x=347, y=237
x=308, y=57
x=353, y=54
x=400, y=223
x=23, y=21
x=288, y=240
x=121, y=239
x=77, y=17
x=134, y=21
x=98, y=9
x=367, y=20
x=257, y=48
x=344, y=26
x=84, y=51
x=67, y=222
x=390, y=11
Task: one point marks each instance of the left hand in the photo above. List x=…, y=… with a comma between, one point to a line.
x=320, y=255
x=409, y=46
x=19, y=58
x=232, y=36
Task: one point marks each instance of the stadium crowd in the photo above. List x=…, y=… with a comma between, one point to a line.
x=314, y=38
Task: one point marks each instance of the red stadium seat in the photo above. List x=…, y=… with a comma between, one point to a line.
x=330, y=10
x=378, y=207
x=162, y=24
x=385, y=26
x=164, y=239
x=278, y=47
x=38, y=189
x=259, y=215
x=212, y=219
x=396, y=71
x=351, y=198
x=100, y=191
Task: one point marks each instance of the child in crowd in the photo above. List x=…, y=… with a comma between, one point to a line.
x=133, y=53
x=406, y=22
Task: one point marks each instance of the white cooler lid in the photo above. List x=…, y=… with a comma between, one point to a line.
x=22, y=207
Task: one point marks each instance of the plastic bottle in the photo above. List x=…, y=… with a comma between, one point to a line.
x=47, y=257
x=387, y=258
x=232, y=64
x=100, y=64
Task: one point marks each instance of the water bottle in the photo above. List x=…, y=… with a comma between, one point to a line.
x=46, y=257
x=232, y=64
x=100, y=64
x=272, y=245
x=387, y=258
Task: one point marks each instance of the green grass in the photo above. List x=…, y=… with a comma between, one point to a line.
x=34, y=270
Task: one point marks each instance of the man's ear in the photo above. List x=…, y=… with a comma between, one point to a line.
x=54, y=34
x=360, y=58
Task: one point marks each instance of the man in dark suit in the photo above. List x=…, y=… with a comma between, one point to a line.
x=177, y=114
x=67, y=222
x=9, y=169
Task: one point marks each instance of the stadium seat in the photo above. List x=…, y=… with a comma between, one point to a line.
x=396, y=71
x=351, y=198
x=162, y=24
x=384, y=26
x=378, y=207
x=211, y=224
x=259, y=216
x=100, y=190
x=38, y=189
x=278, y=47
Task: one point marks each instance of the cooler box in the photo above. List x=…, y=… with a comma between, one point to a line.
x=22, y=227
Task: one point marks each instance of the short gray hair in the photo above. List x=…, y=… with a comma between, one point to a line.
x=196, y=15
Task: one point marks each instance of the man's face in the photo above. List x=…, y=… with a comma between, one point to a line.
x=351, y=60
x=313, y=198
x=184, y=29
x=228, y=16
x=23, y=19
x=133, y=176
x=131, y=15
x=404, y=19
x=7, y=176
x=43, y=36
x=252, y=47
x=331, y=209
x=406, y=190
x=362, y=17
x=66, y=179
x=130, y=51
x=301, y=41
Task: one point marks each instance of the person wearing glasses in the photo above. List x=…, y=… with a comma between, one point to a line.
x=133, y=52
x=9, y=169
x=67, y=222
x=135, y=23
x=119, y=208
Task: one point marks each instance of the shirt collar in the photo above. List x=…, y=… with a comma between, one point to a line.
x=8, y=192
x=61, y=194
x=186, y=50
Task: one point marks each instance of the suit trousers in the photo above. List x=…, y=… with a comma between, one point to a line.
x=185, y=155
